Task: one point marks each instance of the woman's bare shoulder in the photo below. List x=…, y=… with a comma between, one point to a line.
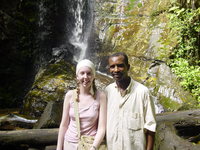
x=69, y=95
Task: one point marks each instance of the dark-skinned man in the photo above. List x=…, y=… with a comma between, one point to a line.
x=131, y=123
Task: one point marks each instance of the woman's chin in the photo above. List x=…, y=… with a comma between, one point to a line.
x=86, y=85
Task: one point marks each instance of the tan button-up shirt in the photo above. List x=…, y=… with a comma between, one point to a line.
x=129, y=115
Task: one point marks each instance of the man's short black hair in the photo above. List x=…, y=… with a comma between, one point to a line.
x=120, y=54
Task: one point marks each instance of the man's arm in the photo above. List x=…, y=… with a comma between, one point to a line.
x=150, y=136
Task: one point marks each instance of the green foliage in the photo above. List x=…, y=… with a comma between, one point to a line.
x=168, y=104
x=132, y=4
x=61, y=70
x=185, y=22
x=189, y=75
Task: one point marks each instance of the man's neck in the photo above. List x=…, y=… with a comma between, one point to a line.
x=123, y=84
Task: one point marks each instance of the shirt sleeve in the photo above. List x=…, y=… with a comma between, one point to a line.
x=150, y=121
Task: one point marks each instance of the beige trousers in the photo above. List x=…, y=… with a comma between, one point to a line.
x=70, y=146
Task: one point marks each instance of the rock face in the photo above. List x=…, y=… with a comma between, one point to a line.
x=16, y=43
x=140, y=28
x=29, y=32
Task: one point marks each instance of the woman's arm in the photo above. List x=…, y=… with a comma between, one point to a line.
x=102, y=120
x=64, y=121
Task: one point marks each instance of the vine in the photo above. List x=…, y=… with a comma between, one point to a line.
x=185, y=58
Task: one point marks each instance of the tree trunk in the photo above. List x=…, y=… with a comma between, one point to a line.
x=31, y=137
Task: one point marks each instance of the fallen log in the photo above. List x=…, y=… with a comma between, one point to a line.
x=178, y=130
x=175, y=130
x=188, y=115
x=13, y=121
x=31, y=137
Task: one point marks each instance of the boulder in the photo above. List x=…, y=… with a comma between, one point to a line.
x=51, y=117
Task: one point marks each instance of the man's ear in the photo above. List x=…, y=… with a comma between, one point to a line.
x=128, y=66
x=107, y=67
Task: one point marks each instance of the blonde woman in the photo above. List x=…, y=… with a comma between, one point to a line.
x=91, y=108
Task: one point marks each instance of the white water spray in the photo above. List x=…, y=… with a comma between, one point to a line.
x=120, y=8
x=80, y=35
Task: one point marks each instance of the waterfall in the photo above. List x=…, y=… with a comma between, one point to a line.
x=82, y=28
x=120, y=9
x=122, y=16
x=42, y=35
x=42, y=11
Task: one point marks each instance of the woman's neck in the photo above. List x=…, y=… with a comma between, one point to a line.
x=84, y=91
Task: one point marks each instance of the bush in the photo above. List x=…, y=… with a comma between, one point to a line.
x=185, y=56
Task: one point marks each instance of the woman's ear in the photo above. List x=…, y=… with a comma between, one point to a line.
x=77, y=79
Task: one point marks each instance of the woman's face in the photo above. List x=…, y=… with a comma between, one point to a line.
x=85, y=76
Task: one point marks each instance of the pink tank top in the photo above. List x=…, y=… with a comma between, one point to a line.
x=88, y=121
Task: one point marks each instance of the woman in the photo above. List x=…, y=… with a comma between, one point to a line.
x=92, y=110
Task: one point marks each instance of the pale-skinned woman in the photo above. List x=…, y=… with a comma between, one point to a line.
x=91, y=109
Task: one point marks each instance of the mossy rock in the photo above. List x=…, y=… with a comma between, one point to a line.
x=51, y=83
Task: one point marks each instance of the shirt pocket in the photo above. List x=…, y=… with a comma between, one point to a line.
x=134, y=122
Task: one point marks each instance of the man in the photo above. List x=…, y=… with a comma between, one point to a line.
x=131, y=121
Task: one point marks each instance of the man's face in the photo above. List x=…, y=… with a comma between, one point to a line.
x=118, y=68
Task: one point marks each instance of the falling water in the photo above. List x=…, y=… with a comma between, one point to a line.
x=121, y=15
x=120, y=8
x=42, y=13
x=42, y=35
x=82, y=29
